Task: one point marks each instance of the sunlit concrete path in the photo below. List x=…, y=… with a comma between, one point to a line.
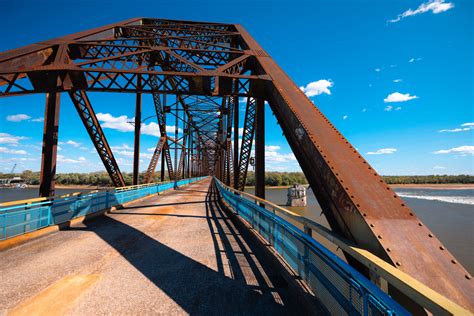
x=177, y=253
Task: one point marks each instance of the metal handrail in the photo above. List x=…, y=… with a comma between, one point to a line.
x=417, y=291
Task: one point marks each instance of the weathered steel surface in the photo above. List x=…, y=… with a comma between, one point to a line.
x=203, y=64
x=154, y=161
x=50, y=145
x=357, y=202
x=260, y=148
x=247, y=141
x=92, y=125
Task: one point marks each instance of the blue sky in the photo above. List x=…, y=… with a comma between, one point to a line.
x=396, y=77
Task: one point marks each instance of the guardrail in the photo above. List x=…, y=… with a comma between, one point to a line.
x=339, y=287
x=20, y=217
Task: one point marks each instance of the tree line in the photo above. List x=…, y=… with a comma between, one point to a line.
x=271, y=178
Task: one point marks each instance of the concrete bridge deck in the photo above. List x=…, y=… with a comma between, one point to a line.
x=177, y=253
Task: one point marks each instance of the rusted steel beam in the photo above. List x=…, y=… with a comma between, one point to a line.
x=91, y=123
x=247, y=141
x=154, y=161
x=136, y=139
x=50, y=145
x=212, y=60
x=235, y=102
x=356, y=201
x=260, y=148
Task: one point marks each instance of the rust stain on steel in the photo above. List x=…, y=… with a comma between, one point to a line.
x=357, y=202
x=211, y=62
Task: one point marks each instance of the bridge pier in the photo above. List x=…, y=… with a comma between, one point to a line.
x=50, y=144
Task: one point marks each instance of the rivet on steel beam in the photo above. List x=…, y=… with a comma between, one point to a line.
x=372, y=225
x=398, y=263
x=420, y=224
x=364, y=214
x=379, y=236
x=388, y=249
x=468, y=276
x=441, y=247
x=430, y=235
x=454, y=261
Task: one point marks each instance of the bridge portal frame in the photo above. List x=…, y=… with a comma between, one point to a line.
x=221, y=61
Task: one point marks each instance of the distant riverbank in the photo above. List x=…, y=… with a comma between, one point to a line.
x=73, y=187
x=449, y=186
x=434, y=186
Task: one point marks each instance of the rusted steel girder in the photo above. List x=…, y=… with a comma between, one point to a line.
x=154, y=160
x=91, y=123
x=136, y=138
x=247, y=141
x=50, y=145
x=211, y=61
x=161, y=118
x=356, y=201
x=260, y=148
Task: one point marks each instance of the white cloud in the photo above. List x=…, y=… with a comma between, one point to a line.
x=5, y=150
x=121, y=123
x=277, y=161
x=6, y=138
x=317, y=87
x=377, y=69
x=364, y=110
x=122, y=147
x=272, y=148
x=38, y=119
x=435, y=6
x=399, y=97
x=439, y=167
x=63, y=159
x=344, y=117
x=383, y=151
x=464, y=127
x=389, y=108
x=126, y=153
x=397, y=80
x=18, y=117
x=73, y=143
x=463, y=150
x=411, y=60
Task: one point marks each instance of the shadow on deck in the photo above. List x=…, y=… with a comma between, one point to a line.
x=243, y=283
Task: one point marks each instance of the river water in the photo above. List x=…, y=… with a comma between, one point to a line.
x=449, y=213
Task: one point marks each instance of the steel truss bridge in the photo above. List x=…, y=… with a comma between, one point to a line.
x=197, y=72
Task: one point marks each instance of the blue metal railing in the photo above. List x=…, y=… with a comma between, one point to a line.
x=339, y=287
x=19, y=219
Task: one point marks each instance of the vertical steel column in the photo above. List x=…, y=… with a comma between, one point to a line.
x=236, y=142
x=138, y=123
x=260, y=149
x=190, y=146
x=162, y=176
x=50, y=144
